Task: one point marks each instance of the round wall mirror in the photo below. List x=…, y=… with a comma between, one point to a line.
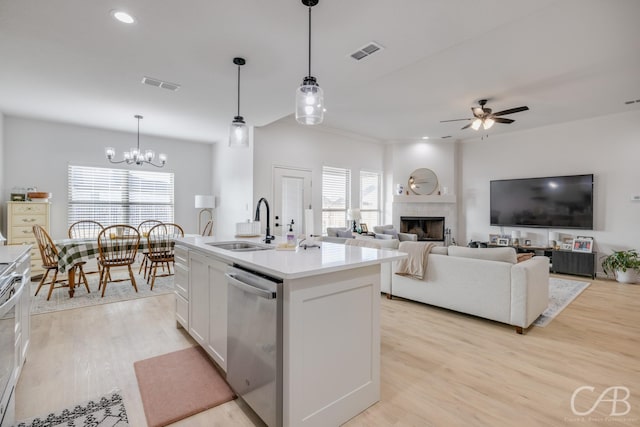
x=423, y=181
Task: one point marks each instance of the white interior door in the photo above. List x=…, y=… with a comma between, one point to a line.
x=292, y=195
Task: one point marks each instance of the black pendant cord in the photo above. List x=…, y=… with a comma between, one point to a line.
x=138, y=134
x=238, y=91
x=309, y=41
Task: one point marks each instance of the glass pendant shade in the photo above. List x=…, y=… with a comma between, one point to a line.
x=309, y=103
x=238, y=133
x=487, y=123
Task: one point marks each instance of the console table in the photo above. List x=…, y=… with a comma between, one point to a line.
x=577, y=263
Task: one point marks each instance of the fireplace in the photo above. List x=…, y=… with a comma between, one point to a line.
x=428, y=228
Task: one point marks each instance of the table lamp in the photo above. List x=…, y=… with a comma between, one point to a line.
x=515, y=237
x=205, y=203
x=354, y=215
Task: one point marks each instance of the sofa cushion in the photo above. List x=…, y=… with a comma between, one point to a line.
x=345, y=233
x=489, y=254
x=391, y=231
x=440, y=250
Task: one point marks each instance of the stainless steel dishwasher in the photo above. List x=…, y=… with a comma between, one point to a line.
x=254, y=341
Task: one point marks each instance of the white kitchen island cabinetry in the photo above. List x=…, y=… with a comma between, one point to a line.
x=208, y=305
x=330, y=322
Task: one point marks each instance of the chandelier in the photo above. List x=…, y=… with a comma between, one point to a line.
x=136, y=155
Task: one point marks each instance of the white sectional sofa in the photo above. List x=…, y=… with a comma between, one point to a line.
x=484, y=282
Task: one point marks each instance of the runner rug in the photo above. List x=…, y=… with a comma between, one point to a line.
x=106, y=411
x=177, y=385
x=561, y=293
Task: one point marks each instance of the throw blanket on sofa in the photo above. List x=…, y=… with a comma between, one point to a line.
x=415, y=265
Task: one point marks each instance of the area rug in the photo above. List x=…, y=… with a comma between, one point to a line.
x=177, y=385
x=561, y=293
x=106, y=411
x=117, y=291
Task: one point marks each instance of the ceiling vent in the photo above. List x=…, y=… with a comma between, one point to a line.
x=365, y=51
x=159, y=83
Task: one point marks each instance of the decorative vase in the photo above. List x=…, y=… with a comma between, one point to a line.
x=630, y=276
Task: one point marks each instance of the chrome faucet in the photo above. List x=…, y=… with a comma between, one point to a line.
x=268, y=237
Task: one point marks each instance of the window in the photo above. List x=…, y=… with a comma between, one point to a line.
x=336, y=197
x=118, y=196
x=370, y=205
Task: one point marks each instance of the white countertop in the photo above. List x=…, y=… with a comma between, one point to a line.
x=330, y=257
x=11, y=253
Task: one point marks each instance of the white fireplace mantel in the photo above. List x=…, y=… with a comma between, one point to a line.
x=446, y=198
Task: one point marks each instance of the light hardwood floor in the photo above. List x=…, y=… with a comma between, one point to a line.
x=439, y=368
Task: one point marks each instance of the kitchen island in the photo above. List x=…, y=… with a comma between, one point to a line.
x=327, y=342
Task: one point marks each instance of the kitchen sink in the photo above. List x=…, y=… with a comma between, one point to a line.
x=240, y=246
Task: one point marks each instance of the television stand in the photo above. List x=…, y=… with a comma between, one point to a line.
x=576, y=263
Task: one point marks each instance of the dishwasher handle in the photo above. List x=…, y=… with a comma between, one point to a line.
x=248, y=288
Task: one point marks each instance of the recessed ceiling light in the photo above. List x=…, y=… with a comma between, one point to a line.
x=123, y=16
x=425, y=137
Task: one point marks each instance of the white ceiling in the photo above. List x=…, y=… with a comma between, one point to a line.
x=70, y=61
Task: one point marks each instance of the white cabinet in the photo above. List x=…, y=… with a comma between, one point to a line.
x=23, y=317
x=21, y=217
x=181, y=281
x=208, y=305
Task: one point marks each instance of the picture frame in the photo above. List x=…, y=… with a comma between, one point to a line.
x=364, y=229
x=18, y=197
x=567, y=246
x=527, y=242
x=502, y=241
x=493, y=238
x=582, y=244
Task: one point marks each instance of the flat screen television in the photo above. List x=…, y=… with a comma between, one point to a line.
x=549, y=202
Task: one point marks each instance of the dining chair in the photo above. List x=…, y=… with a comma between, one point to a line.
x=143, y=229
x=117, y=247
x=161, y=240
x=85, y=229
x=208, y=228
x=49, y=255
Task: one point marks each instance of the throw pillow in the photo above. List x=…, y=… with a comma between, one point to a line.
x=525, y=256
x=384, y=236
x=391, y=231
x=345, y=233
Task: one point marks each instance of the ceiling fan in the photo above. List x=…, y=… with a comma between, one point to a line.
x=483, y=116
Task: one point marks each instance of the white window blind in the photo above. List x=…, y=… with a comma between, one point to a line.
x=336, y=196
x=118, y=196
x=370, y=196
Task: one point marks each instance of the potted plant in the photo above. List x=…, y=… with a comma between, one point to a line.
x=624, y=264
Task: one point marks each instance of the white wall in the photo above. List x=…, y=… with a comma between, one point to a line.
x=37, y=153
x=232, y=186
x=608, y=147
x=286, y=143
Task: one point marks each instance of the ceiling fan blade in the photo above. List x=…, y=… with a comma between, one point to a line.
x=503, y=120
x=511, y=111
x=454, y=120
x=463, y=128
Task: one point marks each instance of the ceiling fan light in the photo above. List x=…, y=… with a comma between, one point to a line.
x=487, y=123
x=476, y=124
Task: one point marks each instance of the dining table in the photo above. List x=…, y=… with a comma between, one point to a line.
x=74, y=251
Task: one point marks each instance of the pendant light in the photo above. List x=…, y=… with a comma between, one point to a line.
x=309, y=96
x=239, y=132
x=136, y=155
